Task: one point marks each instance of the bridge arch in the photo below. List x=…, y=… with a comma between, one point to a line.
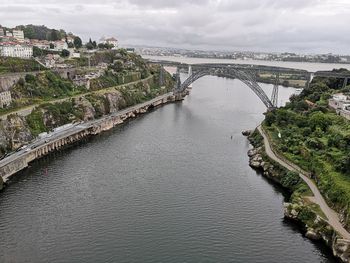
x=243, y=76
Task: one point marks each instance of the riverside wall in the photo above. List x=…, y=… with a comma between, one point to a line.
x=93, y=128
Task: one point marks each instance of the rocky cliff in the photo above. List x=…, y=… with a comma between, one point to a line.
x=17, y=131
x=299, y=207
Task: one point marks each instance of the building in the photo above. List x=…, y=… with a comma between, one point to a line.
x=42, y=44
x=5, y=99
x=2, y=33
x=12, y=49
x=68, y=39
x=9, y=34
x=60, y=45
x=110, y=41
x=341, y=104
x=18, y=35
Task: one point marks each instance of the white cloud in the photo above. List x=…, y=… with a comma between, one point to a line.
x=267, y=25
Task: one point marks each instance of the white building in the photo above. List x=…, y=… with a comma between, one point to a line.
x=60, y=45
x=110, y=41
x=42, y=44
x=11, y=49
x=18, y=35
x=341, y=104
x=5, y=99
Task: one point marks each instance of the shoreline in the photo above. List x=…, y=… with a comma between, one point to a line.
x=20, y=160
x=301, y=207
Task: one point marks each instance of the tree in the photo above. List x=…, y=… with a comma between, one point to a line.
x=77, y=42
x=29, y=78
x=89, y=46
x=65, y=53
x=70, y=45
x=55, y=35
x=270, y=118
x=37, y=52
x=343, y=165
x=319, y=119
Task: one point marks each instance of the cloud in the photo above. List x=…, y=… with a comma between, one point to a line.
x=307, y=26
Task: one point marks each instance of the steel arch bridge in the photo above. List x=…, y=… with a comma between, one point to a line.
x=245, y=76
x=245, y=73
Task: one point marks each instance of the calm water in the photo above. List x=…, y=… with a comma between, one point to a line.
x=311, y=67
x=170, y=186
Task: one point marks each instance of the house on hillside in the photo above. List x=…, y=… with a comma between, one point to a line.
x=42, y=44
x=60, y=45
x=341, y=104
x=16, y=50
x=110, y=41
x=18, y=35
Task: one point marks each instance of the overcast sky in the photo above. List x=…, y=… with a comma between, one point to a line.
x=304, y=26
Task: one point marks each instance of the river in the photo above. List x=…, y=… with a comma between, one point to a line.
x=168, y=186
x=311, y=67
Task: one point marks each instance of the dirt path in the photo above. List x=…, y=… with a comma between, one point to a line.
x=331, y=215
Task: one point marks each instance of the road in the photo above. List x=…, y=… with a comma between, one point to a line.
x=28, y=109
x=76, y=128
x=332, y=216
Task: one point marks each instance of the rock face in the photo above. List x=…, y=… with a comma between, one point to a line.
x=88, y=110
x=316, y=228
x=113, y=99
x=14, y=132
x=247, y=132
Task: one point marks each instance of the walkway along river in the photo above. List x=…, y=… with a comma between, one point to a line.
x=169, y=186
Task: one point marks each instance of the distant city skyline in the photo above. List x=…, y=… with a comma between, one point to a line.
x=300, y=26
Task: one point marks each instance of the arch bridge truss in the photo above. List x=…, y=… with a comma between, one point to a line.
x=248, y=74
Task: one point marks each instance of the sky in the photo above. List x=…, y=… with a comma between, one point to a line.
x=301, y=26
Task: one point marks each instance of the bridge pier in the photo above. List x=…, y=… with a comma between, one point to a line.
x=274, y=96
x=310, y=77
x=189, y=75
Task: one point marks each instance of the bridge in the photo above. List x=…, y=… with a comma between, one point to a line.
x=248, y=74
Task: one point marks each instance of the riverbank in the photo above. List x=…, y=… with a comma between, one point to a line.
x=41, y=147
x=304, y=205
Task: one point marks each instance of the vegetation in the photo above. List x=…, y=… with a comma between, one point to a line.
x=316, y=138
x=46, y=85
x=50, y=115
x=9, y=65
x=286, y=80
x=77, y=42
x=42, y=32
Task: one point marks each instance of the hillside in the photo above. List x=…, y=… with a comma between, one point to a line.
x=317, y=139
x=9, y=65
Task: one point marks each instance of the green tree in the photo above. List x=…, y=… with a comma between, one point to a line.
x=77, y=42
x=319, y=119
x=29, y=78
x=37, y=52
x=55, y=35
x=65, y=53
x=70, y=45
x=89, y=46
